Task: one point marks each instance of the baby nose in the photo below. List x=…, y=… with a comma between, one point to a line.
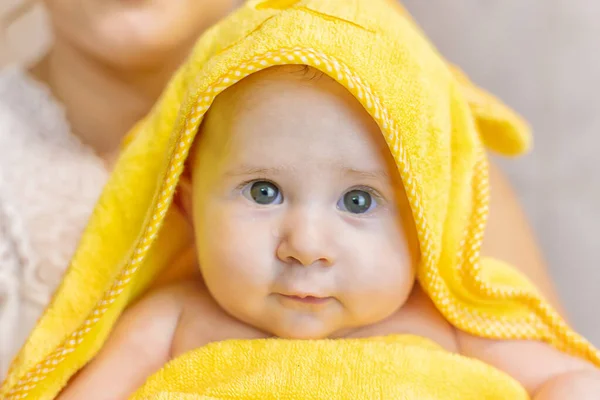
x=305, y=242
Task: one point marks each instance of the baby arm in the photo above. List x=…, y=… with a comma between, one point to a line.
x=139, y=345
x=546, y=373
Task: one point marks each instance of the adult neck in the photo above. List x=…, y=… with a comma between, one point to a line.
x=102, y=102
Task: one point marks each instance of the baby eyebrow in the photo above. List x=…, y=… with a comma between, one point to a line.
x=250, y=170
x=367, y=174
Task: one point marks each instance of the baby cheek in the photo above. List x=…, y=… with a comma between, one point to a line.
x=233, y=269
x=383, y=279
x=384, y=276
x=395, y=267
x=241, y=251
x=385, y=294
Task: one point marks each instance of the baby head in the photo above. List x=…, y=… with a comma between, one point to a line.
x=302, y=227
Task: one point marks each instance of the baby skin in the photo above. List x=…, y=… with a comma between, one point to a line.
x=303, y=231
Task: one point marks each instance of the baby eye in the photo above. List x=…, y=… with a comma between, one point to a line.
x=357, y=201
x=263, y=193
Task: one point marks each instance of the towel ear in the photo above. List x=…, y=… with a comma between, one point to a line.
x=502, y=130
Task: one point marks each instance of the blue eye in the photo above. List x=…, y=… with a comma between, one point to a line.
x=263, y=193
x=356, y=201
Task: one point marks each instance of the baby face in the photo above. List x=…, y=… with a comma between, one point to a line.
x=298, y=208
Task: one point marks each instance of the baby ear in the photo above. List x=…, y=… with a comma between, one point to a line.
x=501, y=129
x=183, y=195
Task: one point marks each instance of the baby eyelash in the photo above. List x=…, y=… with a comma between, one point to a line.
x=259, y=179
x=370, y=190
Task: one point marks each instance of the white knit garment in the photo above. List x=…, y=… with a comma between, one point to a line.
x=49, y=183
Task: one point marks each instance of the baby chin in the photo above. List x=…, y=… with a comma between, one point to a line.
x=304, y=318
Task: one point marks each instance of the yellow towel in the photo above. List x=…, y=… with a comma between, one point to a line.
x=436, y=124
x=407, y=368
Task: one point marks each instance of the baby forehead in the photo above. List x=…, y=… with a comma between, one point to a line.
x=292, y=110
x=291, y=103
x=290, y=94
x=278, y=82
x=289, y=97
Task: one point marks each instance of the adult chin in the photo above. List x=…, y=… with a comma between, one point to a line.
x=135, y=34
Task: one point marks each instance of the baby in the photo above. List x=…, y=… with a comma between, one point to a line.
x=303, y=231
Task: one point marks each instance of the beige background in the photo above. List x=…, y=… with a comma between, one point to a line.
x=543, y=58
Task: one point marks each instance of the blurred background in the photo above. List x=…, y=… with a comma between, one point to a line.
x=542, y=57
